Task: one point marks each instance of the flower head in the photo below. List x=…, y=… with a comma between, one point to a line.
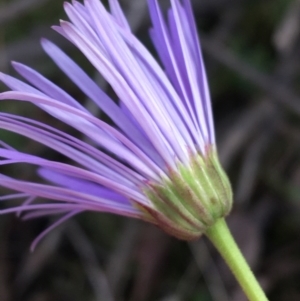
x=158, y=162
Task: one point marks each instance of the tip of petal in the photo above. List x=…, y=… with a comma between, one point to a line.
x=56, y=28
x=16, y=64
x=44, y=41
x=66, y=3
x=3, y=76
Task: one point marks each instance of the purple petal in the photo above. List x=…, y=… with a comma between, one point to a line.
x=44, y=85
x=199, y=62
x=133, y=155
x=63, y=199
x=118, y=14
x=188, y=67
x=167, y=51
x=114, y=170
x=81, y=185
x=142, y=88
x=123, y=90
x=89, y=87
x=52, y=227
x=71, y=147
x=78, y=123
x=126, y=189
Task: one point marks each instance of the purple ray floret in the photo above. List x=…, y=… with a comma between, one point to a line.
x=162, y=117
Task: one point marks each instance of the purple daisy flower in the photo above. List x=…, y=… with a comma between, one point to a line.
x=158, y=161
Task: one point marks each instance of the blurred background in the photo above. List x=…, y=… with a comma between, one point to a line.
x=251, y=50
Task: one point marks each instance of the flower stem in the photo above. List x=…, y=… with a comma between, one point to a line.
x=220, y=235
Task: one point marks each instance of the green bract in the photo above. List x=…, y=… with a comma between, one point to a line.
x=192, y=198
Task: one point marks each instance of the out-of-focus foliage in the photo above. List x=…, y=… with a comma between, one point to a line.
x=251, y=49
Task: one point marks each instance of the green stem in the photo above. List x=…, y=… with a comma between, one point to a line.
x=221, y=237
